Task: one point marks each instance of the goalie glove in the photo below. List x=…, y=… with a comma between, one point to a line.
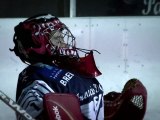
x=130, y=104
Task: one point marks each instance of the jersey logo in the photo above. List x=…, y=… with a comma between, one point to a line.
x=66, y=78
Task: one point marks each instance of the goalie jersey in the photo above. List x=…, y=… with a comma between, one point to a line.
x=39, y=79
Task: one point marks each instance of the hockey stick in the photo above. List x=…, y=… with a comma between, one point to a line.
x=12, y=104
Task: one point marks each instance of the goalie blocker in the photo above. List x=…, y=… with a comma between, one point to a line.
x=62, y=107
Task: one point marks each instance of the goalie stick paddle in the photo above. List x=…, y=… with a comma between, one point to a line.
x=62, y=107
x=12, y=104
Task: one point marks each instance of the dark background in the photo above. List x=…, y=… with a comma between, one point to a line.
x=60, y=8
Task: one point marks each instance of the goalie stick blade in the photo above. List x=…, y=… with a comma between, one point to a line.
x=62, y=107
x=12, y=104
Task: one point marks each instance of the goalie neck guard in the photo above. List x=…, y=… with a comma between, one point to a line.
x=44, y=38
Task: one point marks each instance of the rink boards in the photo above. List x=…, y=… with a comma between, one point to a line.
x=129, y=48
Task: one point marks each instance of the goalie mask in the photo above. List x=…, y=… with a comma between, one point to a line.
x=44, y=38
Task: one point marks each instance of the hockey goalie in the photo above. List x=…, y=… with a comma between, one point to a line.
x=57, y=84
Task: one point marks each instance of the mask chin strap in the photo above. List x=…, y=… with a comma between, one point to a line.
x=87, y=51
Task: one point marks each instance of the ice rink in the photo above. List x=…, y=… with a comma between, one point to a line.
x=129, y=48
